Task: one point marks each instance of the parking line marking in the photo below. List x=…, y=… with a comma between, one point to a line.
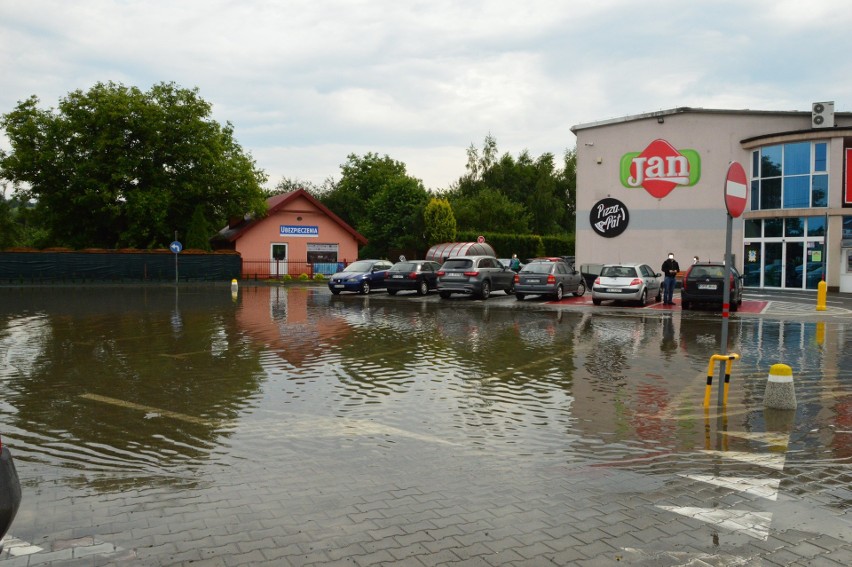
x=156, y=412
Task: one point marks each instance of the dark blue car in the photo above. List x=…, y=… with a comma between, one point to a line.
x=360, y=277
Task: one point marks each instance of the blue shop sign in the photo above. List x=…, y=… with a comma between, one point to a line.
x=299, y=230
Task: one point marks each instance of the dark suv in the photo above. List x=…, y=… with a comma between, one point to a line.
x=704, y=283
x=474, y=275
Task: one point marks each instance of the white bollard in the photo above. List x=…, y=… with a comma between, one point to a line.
x=780, y=392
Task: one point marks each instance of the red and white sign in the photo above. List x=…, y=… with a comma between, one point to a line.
x=847, y=193
x=736, y=189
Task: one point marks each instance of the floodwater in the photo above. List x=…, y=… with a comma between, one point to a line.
x=120, y=390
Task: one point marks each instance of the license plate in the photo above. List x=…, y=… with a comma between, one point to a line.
x=613, y=290
x=397, y=277
x=706, y=286
x=533, y=281
x=338, y=286
x=451, y=275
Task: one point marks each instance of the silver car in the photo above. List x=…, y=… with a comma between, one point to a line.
x=627, y=282
x=474, y=275
x=548, y=278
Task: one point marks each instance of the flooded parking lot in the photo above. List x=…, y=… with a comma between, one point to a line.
x=283, y=425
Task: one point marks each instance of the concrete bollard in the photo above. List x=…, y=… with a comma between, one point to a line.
x=780, y=392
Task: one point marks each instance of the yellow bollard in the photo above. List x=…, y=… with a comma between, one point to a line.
x=729, y=361
x=820, y=333
x=822, y=291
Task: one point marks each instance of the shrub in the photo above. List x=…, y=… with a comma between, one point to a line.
x=319, y=277
x=304, y=277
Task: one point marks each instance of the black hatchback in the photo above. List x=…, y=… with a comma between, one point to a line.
x=703, y=283
x=412, y=275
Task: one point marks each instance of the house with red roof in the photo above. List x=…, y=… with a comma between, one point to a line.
x=298, y=235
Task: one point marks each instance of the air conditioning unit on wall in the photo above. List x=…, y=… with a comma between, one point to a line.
x=822, y=115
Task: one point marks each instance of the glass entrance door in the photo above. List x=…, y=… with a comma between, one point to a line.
x=794, y=259
x=773, y=264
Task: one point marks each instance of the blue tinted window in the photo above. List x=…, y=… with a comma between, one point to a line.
x=794, y=226
x=752, y=228
x=772, y=227
x=755, y=164
x=770, y=161
x=755, y=195
x=797, y=192
x=819, y=195
x=816, y=226
x=797, y=158
x=821, y=157
x=770, y=193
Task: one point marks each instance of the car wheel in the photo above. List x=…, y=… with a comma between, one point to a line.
x=581, y=289
x=335, y=292
x=559, y=293
x=734, y=307
x=596, y=301
x=423, y=288
x=519, y=296
x=485, y=292
x=511, y=289
x=365, y=288
x=392, y=291
x=444, y=294
x=659, y=296
x=644, y=299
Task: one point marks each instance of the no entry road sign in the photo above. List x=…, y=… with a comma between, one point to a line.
x=736, y=189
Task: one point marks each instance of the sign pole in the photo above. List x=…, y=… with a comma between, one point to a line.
x=726, y=308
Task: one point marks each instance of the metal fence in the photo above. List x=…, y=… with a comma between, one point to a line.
x=273, y=269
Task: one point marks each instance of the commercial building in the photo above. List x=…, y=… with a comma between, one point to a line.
x=655, y=183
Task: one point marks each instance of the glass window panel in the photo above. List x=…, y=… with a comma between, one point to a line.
x=819, y=193
x=752, y=228
x=770, y=161
x=770, y=193
x=815, y=266
x=797, y=158
x=772, y=252
x=794, y=226
x=821, y=157
x=773, y=227
x=751, y=270
x=796, y=192
x=755, y=164
x=755, y=195
x=816, y=226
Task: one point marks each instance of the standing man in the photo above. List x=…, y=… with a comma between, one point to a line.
x=670, y=270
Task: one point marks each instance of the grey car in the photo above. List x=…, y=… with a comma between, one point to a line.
x=548, y=278
x=627, y=282
x=474, y=275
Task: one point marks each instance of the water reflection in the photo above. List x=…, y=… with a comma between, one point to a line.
x=127, y=386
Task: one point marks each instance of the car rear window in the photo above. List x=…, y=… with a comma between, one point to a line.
x=707, y=271
x=405, y=267
x=537, y=268
x=460, y=264
x=618, y=272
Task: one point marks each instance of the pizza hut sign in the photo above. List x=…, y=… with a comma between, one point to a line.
x=609, y=217
x=659, y=168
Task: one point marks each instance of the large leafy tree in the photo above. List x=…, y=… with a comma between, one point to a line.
x=377, y=197
x=118, y=167
x=439, y=221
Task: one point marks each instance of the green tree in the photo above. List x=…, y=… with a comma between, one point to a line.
x=198, y=231
x=9, y=228
x=489, y=210
x=439, y=221
x=118, y=167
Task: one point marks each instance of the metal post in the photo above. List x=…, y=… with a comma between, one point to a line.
x=726, y=303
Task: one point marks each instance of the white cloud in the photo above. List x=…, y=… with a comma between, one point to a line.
x=306, y=83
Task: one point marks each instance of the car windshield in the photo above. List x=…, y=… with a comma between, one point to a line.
x=537, y=268
x=404, y=267
x=618, y=272
x=358, y=267
x=459, y=264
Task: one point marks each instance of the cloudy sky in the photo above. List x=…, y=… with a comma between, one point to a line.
x=307, y=82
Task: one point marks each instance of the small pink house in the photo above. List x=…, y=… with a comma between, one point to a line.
x=298, y=235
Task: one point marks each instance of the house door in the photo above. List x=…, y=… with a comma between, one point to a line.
x=278, y=261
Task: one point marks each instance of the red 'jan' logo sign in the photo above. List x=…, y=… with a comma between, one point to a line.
x=660, y=168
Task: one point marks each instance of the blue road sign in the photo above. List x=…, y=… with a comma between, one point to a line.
x=176, y=247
